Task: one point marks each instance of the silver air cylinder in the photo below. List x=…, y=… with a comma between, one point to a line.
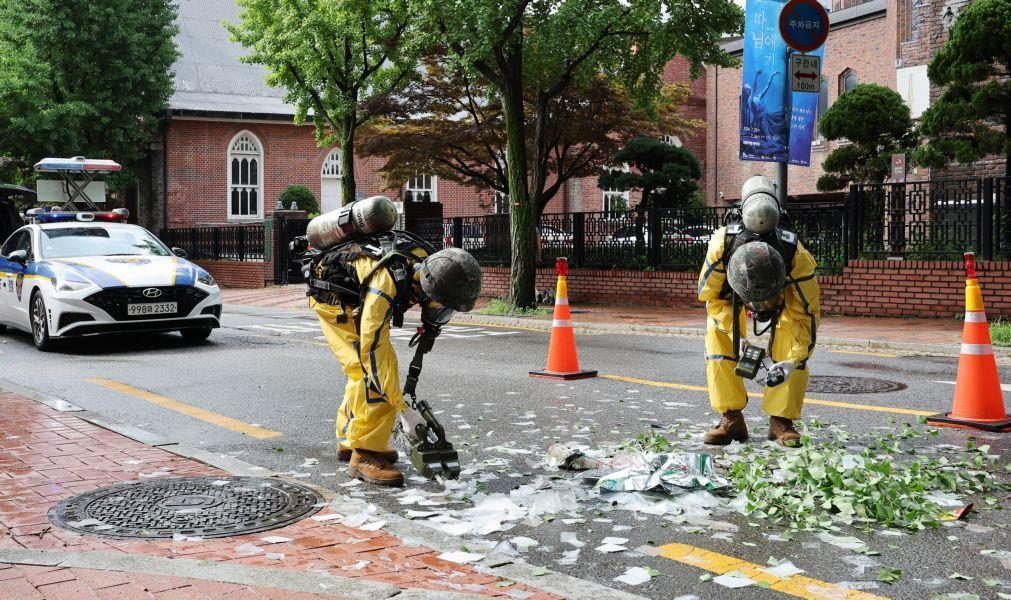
x=372, y=215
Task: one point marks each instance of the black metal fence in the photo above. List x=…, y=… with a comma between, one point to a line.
x=668, y=239
x=219, y=242
x=930, y=220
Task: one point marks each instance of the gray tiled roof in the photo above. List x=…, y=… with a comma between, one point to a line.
x=208, y=74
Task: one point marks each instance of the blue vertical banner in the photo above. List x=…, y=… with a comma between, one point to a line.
x=803, y=111
x=776, y=124
x=764, y=124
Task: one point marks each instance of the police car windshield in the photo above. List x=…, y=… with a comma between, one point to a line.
x=95, y=240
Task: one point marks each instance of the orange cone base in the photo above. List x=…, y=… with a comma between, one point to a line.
x=946, y=420
x=563, y=376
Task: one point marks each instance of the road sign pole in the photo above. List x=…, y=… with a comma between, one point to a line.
x=783, y=168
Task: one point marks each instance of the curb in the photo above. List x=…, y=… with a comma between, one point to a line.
x=698, y=332
x=207, y=570
x=506, y=567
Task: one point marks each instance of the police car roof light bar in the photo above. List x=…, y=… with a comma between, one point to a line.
x=38, y=216
x=85, y=168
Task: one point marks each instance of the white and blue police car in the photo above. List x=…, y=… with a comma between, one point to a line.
x=69, y=274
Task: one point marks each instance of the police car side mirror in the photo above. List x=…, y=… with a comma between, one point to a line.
x=179, y=252
x=18, y=256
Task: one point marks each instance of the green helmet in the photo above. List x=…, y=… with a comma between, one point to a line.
x=757, y=274
x=452, y=277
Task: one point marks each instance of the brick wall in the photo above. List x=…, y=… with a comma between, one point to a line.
x=865, y=288
x=866, y=47
x=233, y=274
x=198, y=174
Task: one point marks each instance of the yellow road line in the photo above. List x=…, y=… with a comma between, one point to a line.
x=798, y=586
x=486, y=324
x=862, y=353
x=851, y=405
x=192, y=411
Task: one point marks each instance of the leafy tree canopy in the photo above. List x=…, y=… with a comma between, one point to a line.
x=876, y=122
x=972, y=117
x=83, y=77
x=542, y=48
x=450, y=124
x=667, y=175
x=338, y=60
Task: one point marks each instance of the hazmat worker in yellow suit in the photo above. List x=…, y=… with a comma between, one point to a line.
x=755, y=267
x=358, y=289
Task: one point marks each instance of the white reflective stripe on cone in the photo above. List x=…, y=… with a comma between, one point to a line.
x=977, y=349
x=561, y=323
x=561, y=301
x=978, y=316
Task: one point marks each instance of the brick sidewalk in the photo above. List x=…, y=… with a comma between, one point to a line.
x=46, y=456
x=877, y=329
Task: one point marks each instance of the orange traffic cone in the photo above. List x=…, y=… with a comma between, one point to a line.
x=979, y=401
x=563, y=363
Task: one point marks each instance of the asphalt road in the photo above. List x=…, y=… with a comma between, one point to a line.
x=269, y=369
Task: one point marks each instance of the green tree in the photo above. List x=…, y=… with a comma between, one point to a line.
x=666, y=175
x=450, y=124
x=876, y=123
x=302, y=196
x=539, y=49
x=83, y=77
x=972, y=117
x=339, y=59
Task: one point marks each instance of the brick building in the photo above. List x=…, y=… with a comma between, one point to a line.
x=228, y=148
x=887, y=42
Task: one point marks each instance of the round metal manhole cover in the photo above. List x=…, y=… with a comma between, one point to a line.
x=206, y=507
x=831, y=384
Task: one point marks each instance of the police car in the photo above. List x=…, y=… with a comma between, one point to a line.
x=68, y=274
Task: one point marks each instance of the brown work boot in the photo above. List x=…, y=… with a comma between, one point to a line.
x=731, y=427
x=344, y=454
x=782, y=432
x=373, y=468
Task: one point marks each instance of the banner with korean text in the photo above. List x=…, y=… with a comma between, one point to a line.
x=776, y=124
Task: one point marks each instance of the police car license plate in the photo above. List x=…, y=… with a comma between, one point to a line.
x=152, y=308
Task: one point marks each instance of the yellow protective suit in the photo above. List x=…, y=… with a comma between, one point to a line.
x=793, y=336
x=373, y=396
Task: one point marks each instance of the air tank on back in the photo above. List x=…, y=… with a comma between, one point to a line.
x=372, y=215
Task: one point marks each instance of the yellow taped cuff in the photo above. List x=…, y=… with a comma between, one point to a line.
x=973, y=295
x=561, y=290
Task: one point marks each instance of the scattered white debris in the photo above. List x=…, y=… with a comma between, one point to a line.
x=634, y=576
x=274, y=556
x=569, y=558
x=330, y=517
x=220, y=482
x=275, y=539
x=784, y=569
x=570, y=538
x=847, y=542
x=733, y=581
x=617, y=541
x=84, y=523
x=248, y=550
x=178, y=537
x=609, y=548
x=460, y=557
x=373, y=526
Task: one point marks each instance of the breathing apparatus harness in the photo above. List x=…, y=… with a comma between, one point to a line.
x=333, y=280
x=784, y=240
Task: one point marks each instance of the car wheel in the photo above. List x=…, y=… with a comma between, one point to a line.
x=40, y=324
x=196, y=335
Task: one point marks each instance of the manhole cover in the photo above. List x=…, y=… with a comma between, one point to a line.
x=830, y=384
x=193, y=506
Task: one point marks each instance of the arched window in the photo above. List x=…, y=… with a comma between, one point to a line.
x=847, y=81
x=245, y=177
x=330, y=182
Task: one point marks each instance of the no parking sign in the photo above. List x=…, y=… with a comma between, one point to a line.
x=804, y=25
